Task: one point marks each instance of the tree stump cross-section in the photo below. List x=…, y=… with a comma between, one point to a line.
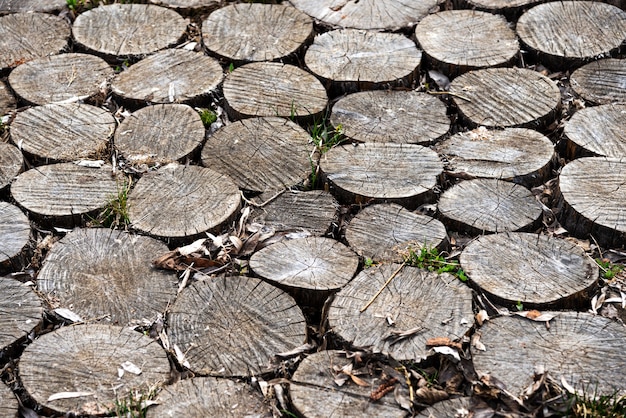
x=15, y=233
x=19, y=6
x=22, y=311
x=597, y=131
x=11, y=163
x=602, y=81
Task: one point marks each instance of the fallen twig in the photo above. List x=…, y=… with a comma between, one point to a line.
x=367, y=305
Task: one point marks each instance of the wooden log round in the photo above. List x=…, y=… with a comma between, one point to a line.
x=273, y=89
x=501, y=97
x=350, y=60
x=537, y=270
x=601, y=81
x=367, y=14
x=381, y=232
x=64, y=192
x=172, y=75
x=444, y=38
x=26, y=36
x=596, y=131
x=162, y=133
x=234, y=326
x=63, y=132
x=391, y=116
x=412, y=302
x=489, y=205
x=87, y=361
x=576, y=348
x=296, y=211
x=114, y=265
x=181, y=201
x=569, y=32
x=315, y=394
x=60, y=78
x=22, y=311
x=188, y=6
x=523, y=156
x=11, y=163
x=22, y=6
x=128, y=30
x=450, y=408
x=362, y=173
x=15, y=233
x=260, y=154
x=7, y=101
x=256, y=32
x=9, y=406
x=590, y=198
x=209, y=397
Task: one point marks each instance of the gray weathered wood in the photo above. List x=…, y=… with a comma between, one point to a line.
x=501, y=97
x=273, y=89
x=161, y=133
x=182, y=201
x=381, y=232
x=256, y=32
x=19, y=6
x=567, y=32
x=315, y=394
x=22, y=311
x=14, y=237
x=601, y=81
x=189, y=6
x=460, y=40
x=583, y=349
x=11, y=163
x=64, y=132
x=539, y=271
x=391, y=116
x=430, y=304
x=506, y=7
x=60, y=78
x=260, y=154
x=128, y=30
x=7, y=101
x=234, y=326
x=9, y=407
x=115, y=266
x=489, y=205
x=172, y=75
x=596, y=131
x=367, y=14
x=590, y=199
x=450, y=408
x=26, y=36
x=87, y=359
x=362, y=173
x=209, y=397
x=350, y=60
x=520, y=155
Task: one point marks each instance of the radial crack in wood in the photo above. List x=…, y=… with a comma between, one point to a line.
x=22, y=311
x=11, y=163
x=602, y=81
x=596, y=131
x=15, y=233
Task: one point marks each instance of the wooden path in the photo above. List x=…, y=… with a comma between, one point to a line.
x=310, y=207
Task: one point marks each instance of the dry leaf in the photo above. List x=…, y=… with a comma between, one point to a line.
x=482, y=316
x=476, y=342
x=194, y=247
x=68, y=395
x=130, y=367
x=447, y=351
x=296, y=351
x=430, y=395
x=359, y=381
x=442, y=341
x=67, y=314
x=537, y=316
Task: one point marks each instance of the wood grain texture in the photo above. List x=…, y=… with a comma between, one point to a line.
x=182, y=201
x=256, y=32
x=382, y=231
x=188, y=6
x=460, y=40
x=22, y=311
x=363, y=172
x=60, y=78
x=128, y=30
x=172, y=75
x=9, y=407
x=19, y=6
x=489, y=205
x=519, y=155
x=602, y=81
x=315, y=394
x=7, y=101
x=507, y=7
x=63, y=132
x=273, y=89
x=367, y=14
x=115, y=266
x=162, y=133
x=450, y=408
x=14, y=236
x=597, y=131
x=260, y=154
x=391, y=116
x=209, y=397
x=11, y=163
x=439, y=304
x=537, y=270
x=573, y=30
x=311, y=263
x=234, y=326
x=26, y=36
x=506, y=97
x=87, y=358
x=583, y=349
x=590, y=199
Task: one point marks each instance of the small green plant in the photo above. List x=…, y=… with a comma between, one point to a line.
x=609, y=270
x=134, y=404
x=324, y=136
x=432, y=260
x=115, y=213
x=368, y=262
x=519, y=305
x=208, y=117
x=586, y=406
x=231, y=67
